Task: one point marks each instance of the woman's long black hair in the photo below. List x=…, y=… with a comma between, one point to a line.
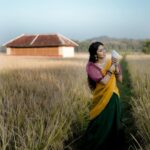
x=93, y=58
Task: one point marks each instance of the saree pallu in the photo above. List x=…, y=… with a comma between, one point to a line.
x=103, y=129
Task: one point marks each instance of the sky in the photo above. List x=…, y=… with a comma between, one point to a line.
x=75, y=19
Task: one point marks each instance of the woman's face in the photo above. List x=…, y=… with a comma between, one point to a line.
x=101, y=52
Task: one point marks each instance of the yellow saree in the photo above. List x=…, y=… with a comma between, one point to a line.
x=103, y=93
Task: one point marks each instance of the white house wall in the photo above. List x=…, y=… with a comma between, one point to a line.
x=66, y=51
x=8, y=51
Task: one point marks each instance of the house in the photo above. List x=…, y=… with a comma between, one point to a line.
x=53, y=45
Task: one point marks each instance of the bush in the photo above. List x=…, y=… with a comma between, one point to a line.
x=146, y=47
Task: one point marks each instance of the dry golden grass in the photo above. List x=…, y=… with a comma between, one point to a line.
x=139, y=68
x=38, y=61
x=42, y=101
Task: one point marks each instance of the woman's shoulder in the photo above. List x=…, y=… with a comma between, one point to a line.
x=91, y=65
x=88, y=66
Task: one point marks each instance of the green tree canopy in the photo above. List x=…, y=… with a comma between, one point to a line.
x=146, y=47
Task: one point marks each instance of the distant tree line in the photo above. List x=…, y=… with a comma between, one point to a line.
x=123, y=45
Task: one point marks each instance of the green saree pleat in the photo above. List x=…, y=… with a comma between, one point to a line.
x=102, y=132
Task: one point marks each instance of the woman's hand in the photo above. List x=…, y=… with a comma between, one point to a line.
x=114, y=60
x=112, y=68
x=117, y=70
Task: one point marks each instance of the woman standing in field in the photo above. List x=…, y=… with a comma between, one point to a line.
x=103, y=130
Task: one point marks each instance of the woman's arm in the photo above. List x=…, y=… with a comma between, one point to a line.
x=106, y=78
x=94, y=72
x=118, y=72
x=96, y=75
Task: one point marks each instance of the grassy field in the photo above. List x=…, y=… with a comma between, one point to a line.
x=139, y=69
x=44, y=102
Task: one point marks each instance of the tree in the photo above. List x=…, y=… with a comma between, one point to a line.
x=146, y=47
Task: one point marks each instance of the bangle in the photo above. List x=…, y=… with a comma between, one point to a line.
x=117, y=73
x=109, y=72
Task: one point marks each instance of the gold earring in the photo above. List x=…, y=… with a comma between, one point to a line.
x=96, y=58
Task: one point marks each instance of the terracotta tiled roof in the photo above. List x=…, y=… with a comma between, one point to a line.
x=40, y=41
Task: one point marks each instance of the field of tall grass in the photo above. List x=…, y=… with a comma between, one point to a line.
x=139, y=69
x=43, y=102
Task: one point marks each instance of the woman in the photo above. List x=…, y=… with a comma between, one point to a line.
x=103, y=129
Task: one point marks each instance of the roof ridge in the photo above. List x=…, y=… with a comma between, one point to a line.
x=34, y=39
x=60, y=38
x=44, y=34
x=68, y=39
x=13, y=39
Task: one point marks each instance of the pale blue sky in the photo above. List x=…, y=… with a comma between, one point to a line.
x=76, y=19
